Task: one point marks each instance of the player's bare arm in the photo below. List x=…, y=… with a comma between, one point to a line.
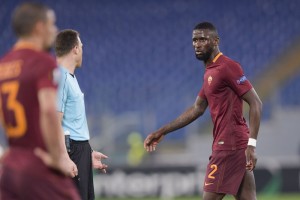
x=184, y=119
x=255, y=105
x=52, y=132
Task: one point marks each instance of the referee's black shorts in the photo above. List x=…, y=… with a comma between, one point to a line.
x=81, y=154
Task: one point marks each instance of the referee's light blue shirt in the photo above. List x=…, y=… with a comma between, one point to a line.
x=71, y=104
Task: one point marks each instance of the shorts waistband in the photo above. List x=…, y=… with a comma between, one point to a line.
x=79, y=141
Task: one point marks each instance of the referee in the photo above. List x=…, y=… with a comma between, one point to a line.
x=71, y=108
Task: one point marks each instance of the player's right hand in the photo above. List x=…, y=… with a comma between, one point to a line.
x=64, y=165
x=152, y=140
x=251, y=158
x=71, y=168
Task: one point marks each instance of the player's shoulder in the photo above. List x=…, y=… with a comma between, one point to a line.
x=230, y=64
x=39, y=60
x=229, y=61
x=43, y=63
x=46, y=58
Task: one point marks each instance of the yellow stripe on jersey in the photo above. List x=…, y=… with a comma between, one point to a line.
x=216, y=58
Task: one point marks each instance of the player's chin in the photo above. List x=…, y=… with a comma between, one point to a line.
x=200, y=56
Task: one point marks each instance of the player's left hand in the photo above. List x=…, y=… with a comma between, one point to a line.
x=97, y=163
x=152, y=140
x=65, y=165
x=251, y=158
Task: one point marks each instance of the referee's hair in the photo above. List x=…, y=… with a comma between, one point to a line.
x=26, y=15
x=206, y=25
x=65, y=41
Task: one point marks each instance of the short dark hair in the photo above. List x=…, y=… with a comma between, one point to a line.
x=206, y=25
x=26, y=15
x=65, y=41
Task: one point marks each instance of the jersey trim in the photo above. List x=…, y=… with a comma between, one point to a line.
x=216, y=58
x=25, y=45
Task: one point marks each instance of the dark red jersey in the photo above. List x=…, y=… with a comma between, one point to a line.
x=23, y=71
x=223, y=86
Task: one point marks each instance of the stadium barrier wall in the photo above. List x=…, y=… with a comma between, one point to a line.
x=168, y=182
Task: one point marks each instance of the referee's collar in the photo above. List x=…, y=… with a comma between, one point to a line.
x=66, y=71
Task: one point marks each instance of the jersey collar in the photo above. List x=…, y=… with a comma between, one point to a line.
x=25, y=45
x=217, y=56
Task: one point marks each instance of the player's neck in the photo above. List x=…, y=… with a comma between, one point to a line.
x=212, y=57
x=30, y=42
x=67, y=63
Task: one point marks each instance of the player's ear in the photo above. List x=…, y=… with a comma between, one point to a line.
x=216, y=41
x=39, y=28
x=75, y=49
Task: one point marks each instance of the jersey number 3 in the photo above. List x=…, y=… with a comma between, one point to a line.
x=18, y=129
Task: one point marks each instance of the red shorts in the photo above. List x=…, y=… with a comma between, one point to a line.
x=24, y=176
x=225, y=171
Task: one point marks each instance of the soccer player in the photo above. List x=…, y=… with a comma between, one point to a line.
x=230, y=168
x=71, y=109
x=28, y=112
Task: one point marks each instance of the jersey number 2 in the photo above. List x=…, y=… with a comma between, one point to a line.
x=19, y=128
x=215, y=168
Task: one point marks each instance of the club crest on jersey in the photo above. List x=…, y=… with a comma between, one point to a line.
x=241, y=80
x=209, y=80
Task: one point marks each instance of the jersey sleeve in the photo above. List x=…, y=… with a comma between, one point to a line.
x=202, y=94
x=62, y=92
x=48, y=73
x=235, y=78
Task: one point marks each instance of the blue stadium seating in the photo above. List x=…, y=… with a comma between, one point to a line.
x=138, y=55
x=289, y=93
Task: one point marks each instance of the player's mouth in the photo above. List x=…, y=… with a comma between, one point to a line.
x=199, y=52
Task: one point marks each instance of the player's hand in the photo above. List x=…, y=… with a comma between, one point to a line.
x=152, y=140
x=71, y=167
x=64, y=165
x=97, y=163
x=250, y=158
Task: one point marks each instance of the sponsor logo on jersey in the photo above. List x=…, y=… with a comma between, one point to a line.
x=241, y=80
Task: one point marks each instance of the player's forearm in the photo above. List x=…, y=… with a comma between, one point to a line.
x=190, y=115
x=254, y=116
x=52, y=134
